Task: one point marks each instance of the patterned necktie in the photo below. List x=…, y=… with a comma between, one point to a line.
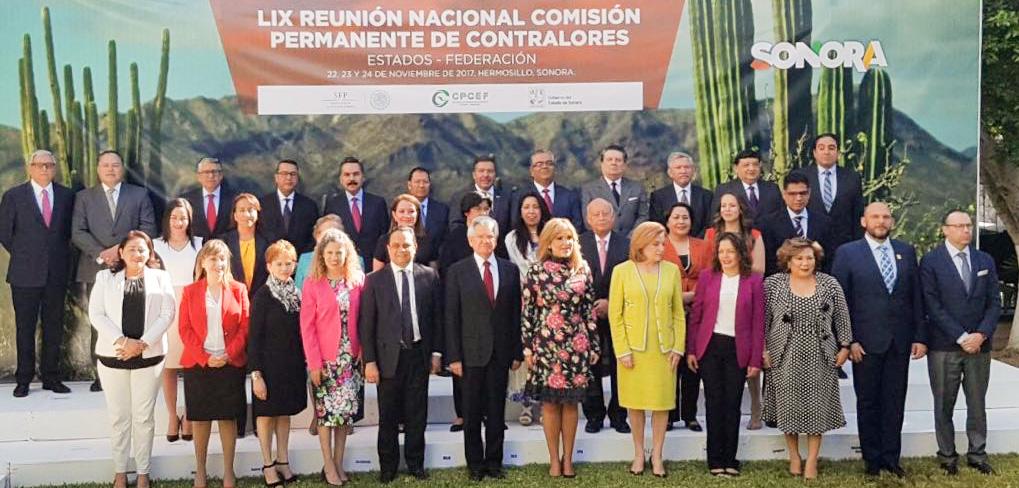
x=798, y=226
x=615, y=192
x=753, y=197
x=355, y=214
x=210, y=213
x=548, y=199
x=683, y=198
x=603, y=254
x=967, y=278
x=887, y=268
x=828, y=193
x=47, y=208
x=287, y=213
x=407, y=319
x=112, y=203
x=489, y=283
x=424, y=215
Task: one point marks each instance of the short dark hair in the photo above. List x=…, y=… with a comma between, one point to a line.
x=154, y=260
x=481, y=158
x=402, y=228
x=352, y=160
x=287, y=161
x=746, y=154
x=794, y=178
x=472, y=199
x=944, y=218
x=416, y=169
x=109, y=151
x=822, y=135
x=613, y=147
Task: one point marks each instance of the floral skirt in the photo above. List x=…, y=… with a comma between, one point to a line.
x=336, y=397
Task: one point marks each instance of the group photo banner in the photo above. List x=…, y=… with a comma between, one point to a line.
x=434, y=84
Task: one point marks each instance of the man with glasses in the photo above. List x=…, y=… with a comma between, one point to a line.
x=560, y=200
x=213, y=202
x=793, y=220
x=35, y=228
x=287, y=214
x=682, y=171
x=102, y=217
x=758, y=196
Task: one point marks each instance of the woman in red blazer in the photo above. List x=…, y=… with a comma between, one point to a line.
x=725, y=344
x=213, y=327
x=330, y=302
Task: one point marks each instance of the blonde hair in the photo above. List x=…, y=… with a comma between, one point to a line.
x=643, y=235
x=214, y=247
x=553, y=229
x=351, y=264
x=280, y=248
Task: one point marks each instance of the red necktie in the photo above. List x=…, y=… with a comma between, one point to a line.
x=548, y=200
x=210, y=213
x=355, y=214
x=489, y=282
x=47, y=208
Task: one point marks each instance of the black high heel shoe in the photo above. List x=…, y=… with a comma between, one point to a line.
x=175, y=437
x=278, y=482
x=293, y=476
x=183, y=436
x=326, y=480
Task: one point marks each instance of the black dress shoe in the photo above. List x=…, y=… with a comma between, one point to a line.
x=386, y=477
x=622, y=427
x=419, y=473
x=21, y=391
x=96, y=386
x=496, y=473
x=896, y=470
x=593, y=427
x=694, y=426
x=950, y=469
x=873, y=471
x=56, y=387
x=477, y=475
x=456, y=428
x=982, y=466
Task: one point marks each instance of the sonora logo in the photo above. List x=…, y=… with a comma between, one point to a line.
x=440, y=98
x=831, y=54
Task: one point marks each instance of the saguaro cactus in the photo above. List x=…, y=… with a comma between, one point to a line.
x=155, y=166
x=722, y=33
x=60, y=146
x=135, y=129
x=792, y=102
x=29, y=101
x=875, y=122
x=112, y=125
x=835, y=103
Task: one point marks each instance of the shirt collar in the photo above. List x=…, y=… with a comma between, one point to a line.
x=424, y=203
x=550, y=187
x=215, y=192
x=618, y=182
x=952, y=250
x=747, y=186
x=606, y=238
x=38, y=189
x=397, y=270
x=793, y=215
x=481, y=261
x=359, y=195
x=681, y=188
x=282, y=197
x=873, y=243
x=821, y=170
x=116, y=188
x=489, y=191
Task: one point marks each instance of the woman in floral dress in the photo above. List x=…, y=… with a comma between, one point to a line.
x=329, y=308
x=560, y=337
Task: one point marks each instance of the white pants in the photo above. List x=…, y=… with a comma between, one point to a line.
x=130, y=402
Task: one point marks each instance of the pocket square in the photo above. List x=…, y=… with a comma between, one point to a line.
x=631, y=199
x=982, y=272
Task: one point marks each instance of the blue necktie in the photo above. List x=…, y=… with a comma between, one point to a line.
x=887, y=268
x=828, y=193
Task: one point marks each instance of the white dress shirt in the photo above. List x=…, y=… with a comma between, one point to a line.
x=494, y=265
x=116, y=191
x=215, y=199
x=398, y=276
x=834, y=180
x=803, y=221
x=746, y=190
x=215, y=343
x=874, y=245
x=360, y=201
x=550, y=188
x=37, y=190
x=283, y=200
x=687, y=189
x=490, y=192
x=725, y=321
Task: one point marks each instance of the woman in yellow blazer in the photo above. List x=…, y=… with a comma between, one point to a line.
x=649, y=337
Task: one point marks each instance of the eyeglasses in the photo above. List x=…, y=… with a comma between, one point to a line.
x=287, y=174
x=798, y=193
x=211, y=172
x=43, y=165
x=543, y=164
x=960, y=226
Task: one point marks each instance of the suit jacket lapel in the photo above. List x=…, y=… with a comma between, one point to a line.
x=872, y=264
x=29, y=195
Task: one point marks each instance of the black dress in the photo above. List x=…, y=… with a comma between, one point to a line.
x=274, y=348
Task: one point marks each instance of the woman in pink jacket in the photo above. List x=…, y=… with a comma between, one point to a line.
x=329, y=308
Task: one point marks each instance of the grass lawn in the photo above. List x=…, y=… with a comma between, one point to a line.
x=923, y=472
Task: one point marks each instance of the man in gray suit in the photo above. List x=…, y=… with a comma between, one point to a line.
x=628, y=198
x=103, y=215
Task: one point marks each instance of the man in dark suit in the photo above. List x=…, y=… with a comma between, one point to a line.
x=881, y=281
x=35, y=228
x=792, y=220
x=434, y=214
x=603, y=249
x=483, y=342
x=102, y=217
x=682, y=171
x=761, y=197
x=287, y=214
x=486, y=182
x=560, y=200
x=627, y=197
x=365, y=215
x=400, y=325
x=963, y=304
x=837, y=191
x=212, y=201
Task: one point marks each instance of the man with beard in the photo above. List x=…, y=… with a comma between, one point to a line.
x=881, y=281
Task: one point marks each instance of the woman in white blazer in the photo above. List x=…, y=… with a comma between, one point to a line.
x=131, y=306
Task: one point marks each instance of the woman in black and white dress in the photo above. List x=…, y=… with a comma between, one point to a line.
x=807, y=339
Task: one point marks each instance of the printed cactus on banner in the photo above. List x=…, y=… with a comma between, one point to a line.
x=835, y=103
x=112, y=124
x=30, y=131
x=875, y=122
x=792, y=104
x=154, y=170
x=59, y=148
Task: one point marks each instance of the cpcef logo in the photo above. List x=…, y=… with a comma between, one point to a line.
x=440, y=98
x=831, y=54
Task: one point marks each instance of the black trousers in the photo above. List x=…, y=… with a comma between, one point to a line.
x=880, y=384
x=594, y=398
x=30, y=305
x=688, y=389
x=723, y=394
x=484, y=401
x=404, y=396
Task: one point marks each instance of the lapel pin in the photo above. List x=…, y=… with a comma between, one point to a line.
x=898, y=256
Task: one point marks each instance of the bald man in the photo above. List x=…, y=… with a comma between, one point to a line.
x=603, y=249
x=881, y=281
